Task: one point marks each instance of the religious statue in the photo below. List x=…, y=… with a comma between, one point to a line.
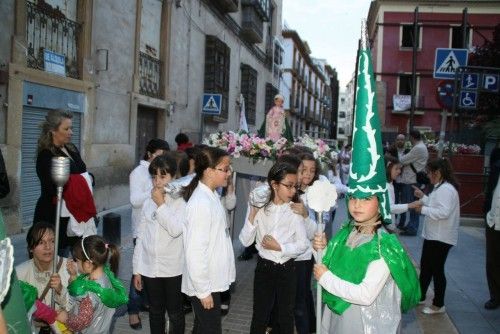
x=276, y=124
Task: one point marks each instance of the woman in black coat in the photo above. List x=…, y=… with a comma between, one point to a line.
x=55, y=141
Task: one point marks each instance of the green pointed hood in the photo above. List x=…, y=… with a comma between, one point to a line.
x=367, y=175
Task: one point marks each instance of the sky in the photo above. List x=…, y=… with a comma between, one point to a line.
x=331, y=28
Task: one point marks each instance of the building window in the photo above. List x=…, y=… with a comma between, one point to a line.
x=217, y=58
x=407, y=36
x=456, y=37
x=405, y=84
x=342, y=114
x=249, y=91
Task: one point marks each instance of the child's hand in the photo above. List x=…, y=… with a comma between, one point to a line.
x=55, y=283
x=137, y=282
x=253, y=212
x=415, y=204
x=158, y=195
x=417, y=192
x=207, y=302
x=72, y=269
x=319, y=270
x=268, y=242
x=62, y=316
x=319, y=242
x=299, y=209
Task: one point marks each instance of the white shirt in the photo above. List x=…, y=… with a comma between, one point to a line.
x=395, y=208
x=363, y=293
x=337, y=182
x=159, y=251
x=209, y=265
x=417, y=156
x=493, y=216
x=140, y=190
x=442, y=214
x=28, y=272
x=286, y=227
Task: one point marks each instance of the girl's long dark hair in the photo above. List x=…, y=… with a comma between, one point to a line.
x=35, y=235
x=207, y=157
x=310, y=157
x=165, y=164
x=98, y=251
x=277, y=173
x=444, y=167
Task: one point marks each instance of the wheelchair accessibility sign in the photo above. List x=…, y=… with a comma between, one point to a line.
x=468, y=99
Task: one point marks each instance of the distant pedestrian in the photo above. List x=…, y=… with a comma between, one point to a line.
x=344, y=158
x=280, y=237
x=209, y=267
x=492, y=211
x=395, y=153
x=414, y=161
x=182, y=141
x=441, y=209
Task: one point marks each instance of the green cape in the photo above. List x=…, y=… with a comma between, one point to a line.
x=351, y=265
x=111, y=297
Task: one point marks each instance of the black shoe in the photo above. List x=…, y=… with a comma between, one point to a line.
x=408, y=233
x=137, y=326
x=245, y=256
x=491, y=304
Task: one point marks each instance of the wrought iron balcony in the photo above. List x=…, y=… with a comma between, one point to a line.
x=150, y=75
x=48, y=28
x=252, y=28
x=229, y=6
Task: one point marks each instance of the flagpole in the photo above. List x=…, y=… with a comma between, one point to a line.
x=320, y=227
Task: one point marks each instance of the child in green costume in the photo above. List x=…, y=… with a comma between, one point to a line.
x=366, y=275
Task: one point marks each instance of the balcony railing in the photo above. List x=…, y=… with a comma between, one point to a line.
x=150, y=75
x=48, y=28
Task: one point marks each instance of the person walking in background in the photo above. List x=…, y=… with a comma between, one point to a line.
x=414, y=161
x=395, y=153
x=209, y=266
x=182, y=141
x=55, y=141
x=159, y=255
x=441, y=209
x=492, y=212
x=345, y=163
x=140, y=190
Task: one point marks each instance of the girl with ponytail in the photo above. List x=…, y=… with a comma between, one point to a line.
x=209, y=260
x=96, y=292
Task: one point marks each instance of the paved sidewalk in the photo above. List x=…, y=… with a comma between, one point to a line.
x=466, y=291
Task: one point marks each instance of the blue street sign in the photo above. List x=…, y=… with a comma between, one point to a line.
x=211, y=104
x=54, y=62
x=470, y=81
x=468, y=99
x=490, y=82
x=447, y=61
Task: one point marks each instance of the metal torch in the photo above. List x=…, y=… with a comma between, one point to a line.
x=60, y=175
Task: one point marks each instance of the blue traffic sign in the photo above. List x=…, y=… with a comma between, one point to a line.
x=447, y=61
x=490, y=82
x=211, y=104
x=445, y=94
x=468, y=99
x=470, y=81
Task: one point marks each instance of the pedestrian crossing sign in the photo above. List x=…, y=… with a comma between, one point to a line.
x=211, y=104
x=447, y=61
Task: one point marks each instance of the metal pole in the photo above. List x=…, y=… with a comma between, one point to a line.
x=464, y=28
x=414, y=66
x=320, y=228
x=442, y=132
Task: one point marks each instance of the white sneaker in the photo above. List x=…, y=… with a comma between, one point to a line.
x=433, y=310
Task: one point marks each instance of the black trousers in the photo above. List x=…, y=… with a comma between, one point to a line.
x=305, y=318
x=273, y=283
x=493, y=262
x=434, y=254
x=164, y=295
x=207, y=321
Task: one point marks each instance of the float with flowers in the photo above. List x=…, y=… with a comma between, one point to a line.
x=254, y=155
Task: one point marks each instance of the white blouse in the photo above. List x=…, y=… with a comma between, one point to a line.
x=209, y=265
x=159, y=249
x=140, y=190
x=286, y=227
